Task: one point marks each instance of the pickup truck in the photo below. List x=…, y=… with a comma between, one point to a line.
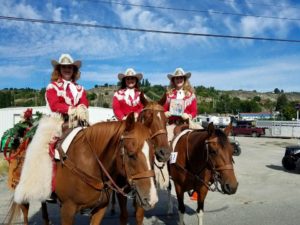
x=248, y=129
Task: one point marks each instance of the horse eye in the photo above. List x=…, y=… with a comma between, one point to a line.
x=131, y=155
x=213, y=152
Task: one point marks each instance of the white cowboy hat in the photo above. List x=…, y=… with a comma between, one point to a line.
x=130, y=73
x=179, y=72
x=66, y=59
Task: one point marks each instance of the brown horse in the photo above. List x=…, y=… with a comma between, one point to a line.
x=153, y=117
x=204, y=157
x=96, y=155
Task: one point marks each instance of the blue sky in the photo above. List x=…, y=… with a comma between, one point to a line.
x=26, y=49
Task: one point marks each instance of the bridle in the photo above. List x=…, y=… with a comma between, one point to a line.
x=215, y=170
x=216, y=181
x=131, y=178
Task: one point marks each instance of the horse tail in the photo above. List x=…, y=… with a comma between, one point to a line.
x=13, y=213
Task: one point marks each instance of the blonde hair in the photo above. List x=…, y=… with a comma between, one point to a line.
x=187, y=87
x=57, y=74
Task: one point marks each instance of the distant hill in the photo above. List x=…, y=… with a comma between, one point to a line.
x=210, y=100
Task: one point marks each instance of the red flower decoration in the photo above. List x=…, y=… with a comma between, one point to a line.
x=28, y=114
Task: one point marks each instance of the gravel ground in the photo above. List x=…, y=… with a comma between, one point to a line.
x=267, y=193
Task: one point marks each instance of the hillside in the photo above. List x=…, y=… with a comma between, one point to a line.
x=209, y=101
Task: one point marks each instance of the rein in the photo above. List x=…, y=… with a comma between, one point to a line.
x=131, y=178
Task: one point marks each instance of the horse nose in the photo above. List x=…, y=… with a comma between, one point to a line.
x=163, y=154
x=229, y=189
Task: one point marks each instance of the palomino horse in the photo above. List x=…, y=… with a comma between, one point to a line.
x=153, y=117
x=85, y=178
x=204, y=157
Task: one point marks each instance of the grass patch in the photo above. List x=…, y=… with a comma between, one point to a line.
x=3, y=167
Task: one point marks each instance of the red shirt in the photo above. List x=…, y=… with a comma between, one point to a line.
x=60, y=97
x=190, y=104
x=124, y=103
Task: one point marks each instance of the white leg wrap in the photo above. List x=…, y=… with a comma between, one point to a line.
x=200, y=217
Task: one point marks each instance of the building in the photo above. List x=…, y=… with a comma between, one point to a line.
x=11, y=116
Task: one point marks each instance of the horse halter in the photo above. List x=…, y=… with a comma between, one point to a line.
x=131, y=178
x=215, y=170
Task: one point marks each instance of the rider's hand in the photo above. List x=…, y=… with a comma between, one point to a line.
x=186, y=116
x=72, y=111
x=82, y=113
x=167, y=114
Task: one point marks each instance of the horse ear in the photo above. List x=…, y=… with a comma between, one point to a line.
x=211, y=129
x=228, y=129
x=143, y=99
x=130, y=120
x=163, y=99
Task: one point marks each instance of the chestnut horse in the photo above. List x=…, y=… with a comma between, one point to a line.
x=153, y=117
x=96, y=155
x=204, y=157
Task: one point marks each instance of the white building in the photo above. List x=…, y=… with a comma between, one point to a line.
x=11, y=116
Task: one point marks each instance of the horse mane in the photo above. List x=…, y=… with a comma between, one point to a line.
x=154, y=106
x=105, y=133
x=222, y=137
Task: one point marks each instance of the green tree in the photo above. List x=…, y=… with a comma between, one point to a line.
x=276, y=91
x=282, y=102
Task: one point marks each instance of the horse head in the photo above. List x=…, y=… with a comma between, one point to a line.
x=153, y=116
x=136, y=160
x=220, y=154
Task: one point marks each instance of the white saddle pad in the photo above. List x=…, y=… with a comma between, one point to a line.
x=65, y=145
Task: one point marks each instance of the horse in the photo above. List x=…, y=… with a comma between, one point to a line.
x=153, y=117
x=204, y=162
x=86, y=174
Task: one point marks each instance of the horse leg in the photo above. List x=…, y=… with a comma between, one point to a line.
x=45, y=213
x=181, y=207
x=113, y=203
x=170, y=202
x=200, y=209
x=97, y=217
x=123, y=209
x=67, y=213
x=139, y=214
x=25, y=208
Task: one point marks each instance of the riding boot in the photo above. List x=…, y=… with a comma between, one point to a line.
x=52, y=198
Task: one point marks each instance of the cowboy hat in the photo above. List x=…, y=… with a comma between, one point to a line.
x=179, y=72
x=130, y=73
x=66, y=59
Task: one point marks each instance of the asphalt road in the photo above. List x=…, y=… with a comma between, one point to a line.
x=267, y=194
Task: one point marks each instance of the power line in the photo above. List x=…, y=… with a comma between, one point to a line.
x=261, y=4
x=143, y=30
x=191, y=10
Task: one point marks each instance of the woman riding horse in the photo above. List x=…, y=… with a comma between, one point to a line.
x=86, y=174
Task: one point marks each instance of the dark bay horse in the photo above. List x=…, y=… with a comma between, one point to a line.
x=204, y=157
x=153, y=117
x=96, y=155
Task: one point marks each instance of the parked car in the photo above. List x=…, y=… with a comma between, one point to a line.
x=291, y=157
x=247, y=128
x=236, y=146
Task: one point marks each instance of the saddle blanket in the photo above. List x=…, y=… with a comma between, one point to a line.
x=176, y=139
x=68, y=140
